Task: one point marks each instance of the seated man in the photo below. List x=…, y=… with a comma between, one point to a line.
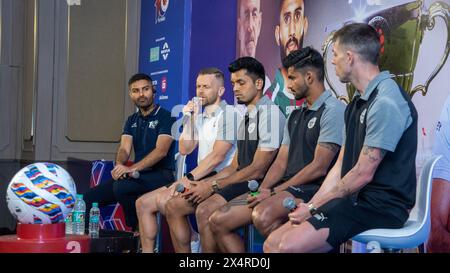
x=311, y=141
x=373, y=183
x=259, y=138
x=148, y=132
x=439, y=240
x=213, y=133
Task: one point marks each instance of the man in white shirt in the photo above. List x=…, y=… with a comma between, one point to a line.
x=214, y=133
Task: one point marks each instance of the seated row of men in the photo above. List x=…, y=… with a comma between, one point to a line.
x=348, y=169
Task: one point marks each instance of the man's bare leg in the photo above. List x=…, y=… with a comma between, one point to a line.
x=202, y=214
x=225, y=220
x=177, y=209
x=146, y=207
x=270, y=213
x=303, y=238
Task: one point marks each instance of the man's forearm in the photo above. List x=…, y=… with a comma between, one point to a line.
x=151, y=159
x=248, y=173
x=353, y=181
x=275, y=174
x=122, y=157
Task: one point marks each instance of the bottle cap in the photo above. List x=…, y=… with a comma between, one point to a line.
x=95, y=205
x=79, y=196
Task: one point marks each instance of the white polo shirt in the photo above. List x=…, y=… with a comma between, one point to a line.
x=222, y=125
x=442, y=144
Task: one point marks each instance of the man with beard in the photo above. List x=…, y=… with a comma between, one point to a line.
x=311, y=141
x=289, y=37
x=148, y=132
x=259, y=138
x=214, y=134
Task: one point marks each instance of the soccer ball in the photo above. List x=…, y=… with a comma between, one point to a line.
x=41, y=193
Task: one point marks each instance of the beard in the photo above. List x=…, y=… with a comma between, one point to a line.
x=284, y=48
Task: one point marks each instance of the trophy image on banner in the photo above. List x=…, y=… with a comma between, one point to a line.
x=401, y=29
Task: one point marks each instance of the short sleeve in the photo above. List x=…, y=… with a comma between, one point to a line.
x=332, y=124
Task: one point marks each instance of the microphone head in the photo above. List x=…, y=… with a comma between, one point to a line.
x=253, y=185
x=135, y=174
x=179, y=188
x=289, y=203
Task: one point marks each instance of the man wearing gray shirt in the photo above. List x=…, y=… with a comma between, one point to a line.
x=372, y=185
x=311, y=140
x=259, y=138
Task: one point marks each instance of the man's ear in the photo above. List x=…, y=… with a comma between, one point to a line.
x=259, y=83
x=277, y=35
x=221, y=91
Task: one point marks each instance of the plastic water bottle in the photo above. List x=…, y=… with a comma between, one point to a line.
x=94, y=221
x=78, y=216
x=69, y=223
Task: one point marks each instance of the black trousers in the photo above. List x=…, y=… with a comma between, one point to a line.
x=126, y=192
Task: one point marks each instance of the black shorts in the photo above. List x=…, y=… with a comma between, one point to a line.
x=346, y=219
x=234, y=190
x=303, y=192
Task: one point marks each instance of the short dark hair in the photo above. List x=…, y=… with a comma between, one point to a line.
x=255, y=69
x=138, y=77
x=362, y=38
x=302, y=59
x=212, y=71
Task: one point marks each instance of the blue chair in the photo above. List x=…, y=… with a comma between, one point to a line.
x=416, y=229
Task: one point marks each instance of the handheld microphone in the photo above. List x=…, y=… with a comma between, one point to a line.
x=289, y=203
x=134, y=174
x=180, y=188
x=253, y=186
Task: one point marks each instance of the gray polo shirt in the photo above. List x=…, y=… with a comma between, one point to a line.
x=331, y=121
x=271, y=124
x=388, y=116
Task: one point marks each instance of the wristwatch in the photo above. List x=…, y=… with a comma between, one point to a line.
x=190, y=176
x=215, y=186
x=312, y=209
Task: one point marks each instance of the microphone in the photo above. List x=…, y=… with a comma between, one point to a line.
x=134, y=174
x=181, y=188
x=289, y=203
x=253, y=186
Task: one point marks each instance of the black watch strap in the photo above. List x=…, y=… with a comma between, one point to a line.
x=190, y=176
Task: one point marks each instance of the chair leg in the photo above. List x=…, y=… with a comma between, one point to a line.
x=249, y=235
x=158, y=241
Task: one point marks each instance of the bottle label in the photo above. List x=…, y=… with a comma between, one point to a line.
x=78, y=216
x=69, y=218
x=94, y=219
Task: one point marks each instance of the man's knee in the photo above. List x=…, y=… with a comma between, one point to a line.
x=262, y=218
x=144, y=204
x=270, y=246
x=216, y=222
x=172, y=207
x=203, y=212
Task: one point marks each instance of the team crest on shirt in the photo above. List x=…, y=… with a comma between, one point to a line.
x=312, y=122
x=134, y=125
x=251, y=127
x=153, y=124
x=362, y=116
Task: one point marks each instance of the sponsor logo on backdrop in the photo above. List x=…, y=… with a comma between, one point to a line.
x=161, y=7
x=154, y=54
x=164, y=84
x=165, y=51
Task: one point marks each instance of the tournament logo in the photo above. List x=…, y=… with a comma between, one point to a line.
x=312, y=122
x=362, y=116
x=161, y=7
